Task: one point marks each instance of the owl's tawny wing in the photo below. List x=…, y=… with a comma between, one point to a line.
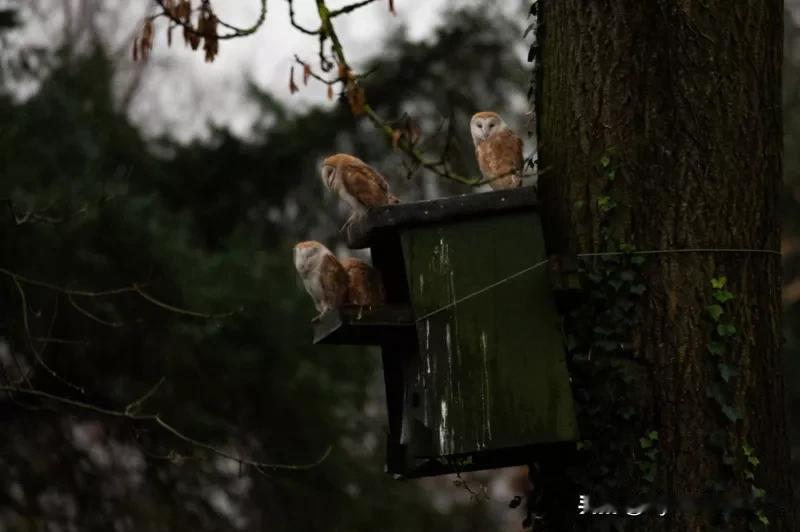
x=365, y=185
x=364, y=287
x=333, y=280
x=500, y=155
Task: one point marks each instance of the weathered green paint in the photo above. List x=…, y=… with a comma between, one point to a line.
x=491, y=371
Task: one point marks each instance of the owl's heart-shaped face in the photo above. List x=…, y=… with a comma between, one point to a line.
x=484, y=124
x=307, y=254
x=328, y=173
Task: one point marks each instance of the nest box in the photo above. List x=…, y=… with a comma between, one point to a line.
x=473, y=356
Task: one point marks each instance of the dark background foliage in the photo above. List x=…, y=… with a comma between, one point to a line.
x=206, y=227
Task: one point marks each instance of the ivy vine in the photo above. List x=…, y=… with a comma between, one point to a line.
x=739, y=463
x=608, y=376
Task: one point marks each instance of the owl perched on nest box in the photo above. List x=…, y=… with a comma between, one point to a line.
x=360, y=186
x=498, y=150
x=364, y=285
x=323, y=275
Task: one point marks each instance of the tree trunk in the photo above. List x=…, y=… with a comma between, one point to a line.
x=672, y=109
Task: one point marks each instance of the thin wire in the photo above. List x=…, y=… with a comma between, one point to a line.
x=670, y=251
x=484, y=289
x=599, y=254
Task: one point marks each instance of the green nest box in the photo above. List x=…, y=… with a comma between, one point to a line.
x=473, y=356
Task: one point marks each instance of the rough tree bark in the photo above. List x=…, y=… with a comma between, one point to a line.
x=687, y=95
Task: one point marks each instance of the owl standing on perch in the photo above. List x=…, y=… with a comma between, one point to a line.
x=323, y=275
x=356, y=183
x=364, y=286
x=498, y=150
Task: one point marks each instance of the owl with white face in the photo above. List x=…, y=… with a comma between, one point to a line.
x=498, y=150
x=356, y=183
x=323, y=275
x=364, y=285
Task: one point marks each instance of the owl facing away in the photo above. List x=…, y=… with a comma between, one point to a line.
x=323, y=275
x=356, y=183
x=498, y=150
x=364, y=285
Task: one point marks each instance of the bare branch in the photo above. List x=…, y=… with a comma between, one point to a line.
x=67, y=291
x=37, y=355
x=261, y=467
x=350, y=81
x=90, y=315
x=134, y=406
x=136, y=287
x=235, y=30
x=67, y=341
x=349, y=8
x=38, y=215
x=307, y=68
x=177, y=310
x=296, y=24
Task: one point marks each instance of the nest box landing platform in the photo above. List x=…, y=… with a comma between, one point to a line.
x=474, y=361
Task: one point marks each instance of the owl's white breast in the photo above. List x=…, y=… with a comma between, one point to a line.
x=351, y=200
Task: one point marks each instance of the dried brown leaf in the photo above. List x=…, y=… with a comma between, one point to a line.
x=211, y=48
x=344, y=73
x=306, y=73
x=146, y=39
x=356, y=98
x=208, y=28
x=183, y=11
x=330, y=92
x=292, y=86
x=191, y=37
x=136, y=48
x=396, y=135
x=412, y=131
x=391, y=7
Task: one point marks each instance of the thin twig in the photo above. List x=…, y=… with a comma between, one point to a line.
x=23, y=372
x=438, y=167
x=37, y=355
x=349, y=8
x=235, y=30
x=177, y=310
x=66, y=341
x=68, y=291
x=133, y=407
x=261, y=467
x=90, y=315
x=296, y=24
x=307, y=68
x=136, y=287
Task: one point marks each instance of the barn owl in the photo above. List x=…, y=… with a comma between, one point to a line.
x=323, y=275
x=358, y=185
x=364, y=286
x=498, y=150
